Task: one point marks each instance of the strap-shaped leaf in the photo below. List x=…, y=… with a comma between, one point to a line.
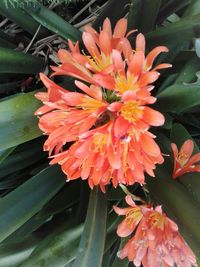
x=12, y=254
x=4, y=153
x=17, y=15
x=187, y=73
x=112, y=11
x=91, y=248
x=171, y=7
x=57, y=249
x=17, y=62
x=17, y=122
x=182, y=30
x=22, y=159
x=53, y=22
x=143, y=14
x=20, y=205
x=179, y=98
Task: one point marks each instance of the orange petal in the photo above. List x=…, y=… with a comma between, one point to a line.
x=73, y=99
x=118, y=62
x=105, y=43
x=121, y=126
x=64, y=55
x=120, y=28
x=153, y=54
x=135, y=66
x=194, y=159
x=105, y=81
x=114, y=157
x=162, y=66
x=119, y=211
x=124, y=229
x=130, y=201
x=149, y=145
x=187, y=148
x=90, y=44
x=140, y=42
x=107, y=27
x=126, y=48
x=153, y=117
x=93, y=91
x=148, y=78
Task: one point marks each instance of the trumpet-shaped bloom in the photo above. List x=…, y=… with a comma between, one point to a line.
x=108, y=120
x=183, y=159
x=107, y=154
x=99, y=47
x=110, y=52
x=71, y=113
x=156, y=240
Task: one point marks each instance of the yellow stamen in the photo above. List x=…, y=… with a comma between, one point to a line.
x=131, y=111
x=101, y=63
x=91, y=104
x=182, y=158
x=157, y=220
x=99, y=141
x=124, y=84
x=133, y=215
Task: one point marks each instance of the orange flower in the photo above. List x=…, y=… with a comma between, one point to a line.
x=110, y=153
x=135, y=72
x=108, y=125
x=98, y=45
x=183, y=160
x=104, y=57
x=156, y=241
x=71, y=113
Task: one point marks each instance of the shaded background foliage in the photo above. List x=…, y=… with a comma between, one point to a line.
x=44, y=220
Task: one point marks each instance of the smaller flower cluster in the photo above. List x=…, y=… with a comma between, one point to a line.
x=183, y=160
x=156, y=241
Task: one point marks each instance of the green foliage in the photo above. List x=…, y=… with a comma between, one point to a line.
x=44, y=220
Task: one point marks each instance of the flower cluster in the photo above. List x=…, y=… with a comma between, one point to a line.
x=156, y=241
x=183, y=160
x=108, y=118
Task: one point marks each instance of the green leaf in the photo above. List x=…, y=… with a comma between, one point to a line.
x=148, y=15
x=68, y=196
x=134, y=14
x=113, y=12
x=179, y=98
x=26, y=229
x=171, y=7
x=192, y=182
x=187, y=73
x=193, y=9
x=22, y=159
x=57, y=249
x=4, y=153
x=21, y=204
x=91, y=248
x=53, y=22
x=120, y=263
x=17, y=62
x=13, y=254
x=18, y=124
x=182, y=30
x=21, y=18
